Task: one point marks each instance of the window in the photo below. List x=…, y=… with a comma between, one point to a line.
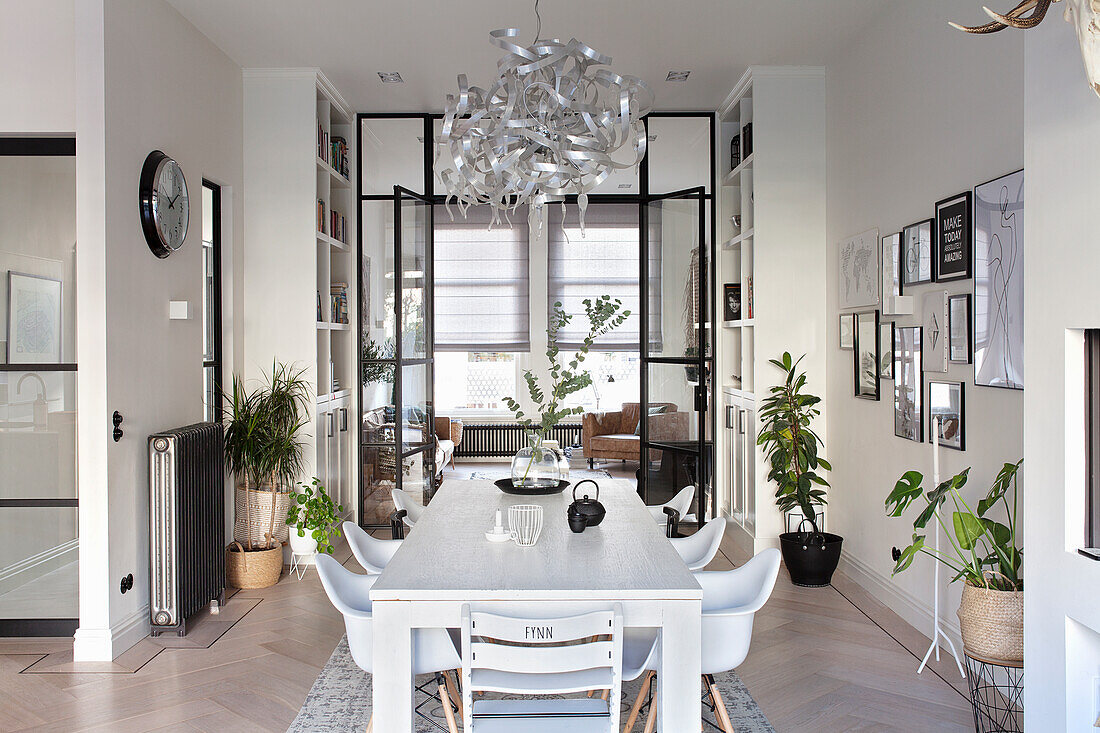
x=604, y=261
x=475, y=381
x=211, y=301
x=616, y=378
x=482, y=292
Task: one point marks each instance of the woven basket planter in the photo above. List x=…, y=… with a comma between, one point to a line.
x=254, y=568
x=252, y=516
x=992, y=623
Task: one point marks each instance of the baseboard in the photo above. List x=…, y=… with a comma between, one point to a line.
x=915, y=611
x=104, y=645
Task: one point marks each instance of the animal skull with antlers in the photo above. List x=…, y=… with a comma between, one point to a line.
x=1083, y=14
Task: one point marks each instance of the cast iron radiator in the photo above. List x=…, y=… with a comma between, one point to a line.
x=481, y=441
x=186, y=524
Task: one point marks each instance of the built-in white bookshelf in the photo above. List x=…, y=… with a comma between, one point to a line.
x=771, y=230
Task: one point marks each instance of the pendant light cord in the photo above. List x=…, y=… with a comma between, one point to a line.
x=538, y=18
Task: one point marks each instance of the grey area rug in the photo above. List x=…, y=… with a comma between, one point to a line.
x=341, y=701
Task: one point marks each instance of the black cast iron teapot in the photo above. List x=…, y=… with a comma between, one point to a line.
x=585, y=512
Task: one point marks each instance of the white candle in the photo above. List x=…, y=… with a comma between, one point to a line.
x=500, y=523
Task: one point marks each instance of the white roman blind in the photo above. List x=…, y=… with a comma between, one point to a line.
x=605, y=261
x=482, y=288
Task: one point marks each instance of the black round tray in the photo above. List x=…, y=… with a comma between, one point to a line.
x=505, y=485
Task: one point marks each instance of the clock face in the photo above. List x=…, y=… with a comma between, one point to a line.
x=170, y=205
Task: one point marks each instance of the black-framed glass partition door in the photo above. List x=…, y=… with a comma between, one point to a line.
x=396, y=364
x=38, y=495
x=676, y=355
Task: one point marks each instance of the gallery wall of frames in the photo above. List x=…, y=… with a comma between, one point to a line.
x=905, y=318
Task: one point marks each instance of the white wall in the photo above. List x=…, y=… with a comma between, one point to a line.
x=37, y=67
x=163, y=86
x=917, y=112
x=1061, y=615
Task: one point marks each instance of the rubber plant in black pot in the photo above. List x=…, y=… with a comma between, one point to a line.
x=792, y=446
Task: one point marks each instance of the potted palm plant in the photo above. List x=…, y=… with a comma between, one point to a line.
x=983, y=553
x=313, y=519
x=264, y=453
x=791, y=445
x=535, y=467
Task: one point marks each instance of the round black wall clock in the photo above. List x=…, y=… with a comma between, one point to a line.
x=162, y=200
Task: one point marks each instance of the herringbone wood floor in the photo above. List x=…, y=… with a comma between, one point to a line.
x=818, y=663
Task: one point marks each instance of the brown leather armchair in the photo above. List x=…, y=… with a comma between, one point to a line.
x=613, y=435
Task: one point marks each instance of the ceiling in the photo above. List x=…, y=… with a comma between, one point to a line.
x=431, y=41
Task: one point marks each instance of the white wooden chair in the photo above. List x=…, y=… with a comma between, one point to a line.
x=406, y=513
x=680, y=504
x=371, y=553
x=433, y=650
x=542, y=656
x=730, y=600
x=699, y=549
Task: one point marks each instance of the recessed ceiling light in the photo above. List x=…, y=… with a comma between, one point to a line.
x=651, y=138
x=677, y=76
x=390, y=77
x=625, y=185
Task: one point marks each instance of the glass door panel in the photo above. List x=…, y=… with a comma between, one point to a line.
x=676, y=356
x=38, y=491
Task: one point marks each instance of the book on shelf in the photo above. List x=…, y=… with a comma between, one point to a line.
x=322, y=143
x=320, y=313
x=321, y=216
x=338, y=148
x=338, y=302
x=337, y=228
x=748, y=297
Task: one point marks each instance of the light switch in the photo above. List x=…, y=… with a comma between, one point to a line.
x=179, y=310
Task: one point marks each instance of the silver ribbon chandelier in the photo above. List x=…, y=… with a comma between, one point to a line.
x=556, y=121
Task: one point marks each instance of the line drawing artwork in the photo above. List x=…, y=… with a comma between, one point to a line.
x=859, y=270
x=998, y=283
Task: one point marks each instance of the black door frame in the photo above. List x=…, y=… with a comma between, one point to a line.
x=702, y=393
x=216, y=239
x=38, y=146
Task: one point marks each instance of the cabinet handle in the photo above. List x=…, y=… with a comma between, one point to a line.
x=741, y=421
x=331, y=424
x=343, y=419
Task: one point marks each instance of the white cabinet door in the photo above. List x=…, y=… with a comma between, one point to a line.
x=320, y=469
x=748, y=463
x=343, y=441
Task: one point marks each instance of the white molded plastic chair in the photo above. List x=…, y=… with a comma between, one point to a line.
x=558, y=656
x=433, y=650
x=404, y=503
x=699, y=549
x=681, y=503
x=730, y=600
x=372, y=554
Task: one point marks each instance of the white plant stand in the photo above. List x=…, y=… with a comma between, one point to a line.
x=299, y=563
x=937, y=631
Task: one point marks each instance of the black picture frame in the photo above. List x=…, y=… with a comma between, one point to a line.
x=918, y=247
x=908, y=383
x=886, y=350
x=943, y=397
x=865, y=356
x=954, y=238
x=960, y=328
x=732, y=305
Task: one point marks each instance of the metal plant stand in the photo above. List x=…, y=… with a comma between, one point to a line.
x=996, y=694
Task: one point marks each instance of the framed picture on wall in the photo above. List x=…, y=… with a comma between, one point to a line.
x=866, y=356
x=891, y=266
x=886, y=350
x=958, y=325
x=908, y=384
x=34, y=319
x=859, y=268
x=955, y=238
x=934, y=317
x=999, y=282
x=847, y=331
x=917, y=244
x=945, y=404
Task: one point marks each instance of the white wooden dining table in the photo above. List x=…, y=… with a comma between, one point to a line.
x=446, y=562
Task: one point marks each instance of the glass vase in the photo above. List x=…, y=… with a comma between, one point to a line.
x=535, y=466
